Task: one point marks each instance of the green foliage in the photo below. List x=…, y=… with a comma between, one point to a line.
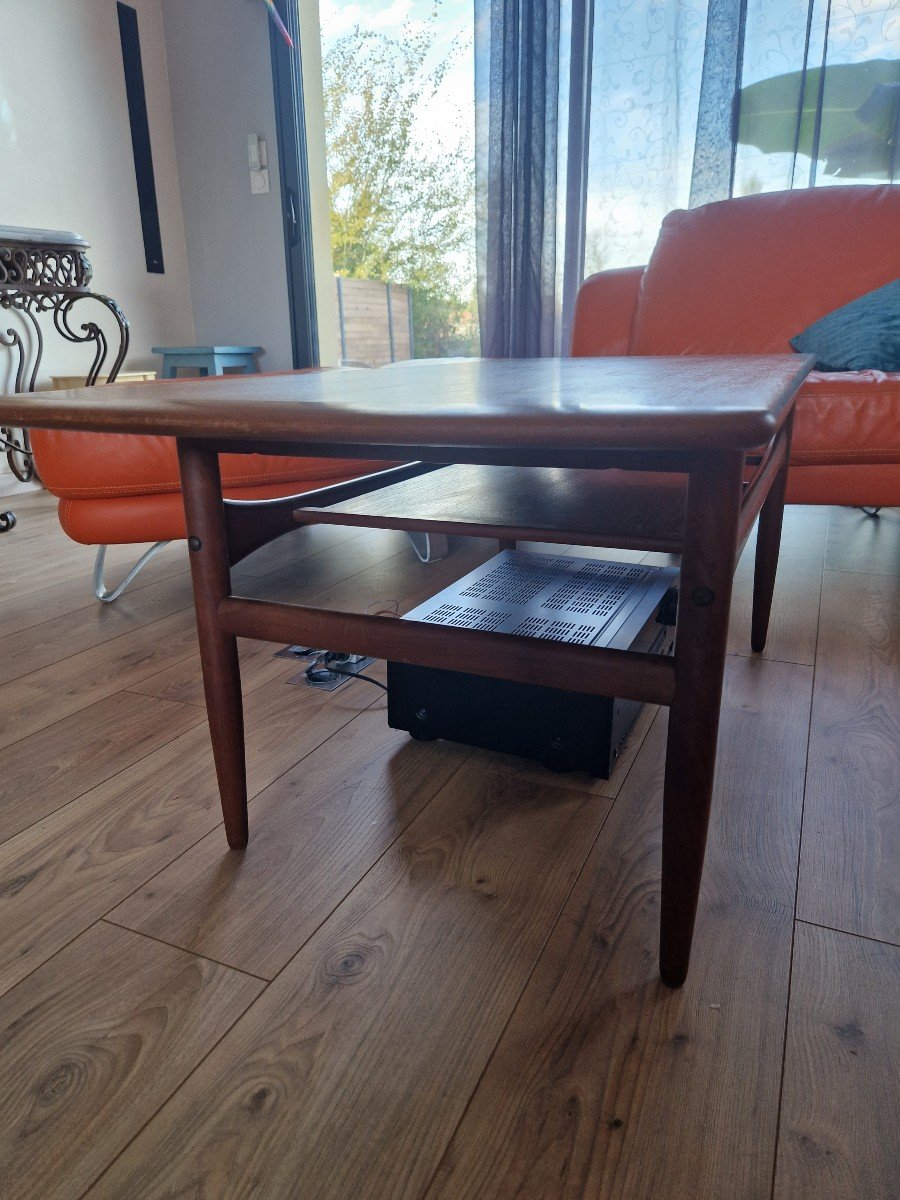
x=401, y=212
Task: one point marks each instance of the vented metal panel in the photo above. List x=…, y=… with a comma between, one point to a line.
x=555, y=597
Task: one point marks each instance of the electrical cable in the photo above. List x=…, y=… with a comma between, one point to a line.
x=357, y=675
x=324, y=666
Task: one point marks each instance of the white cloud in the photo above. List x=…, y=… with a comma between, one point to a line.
x=337, y=18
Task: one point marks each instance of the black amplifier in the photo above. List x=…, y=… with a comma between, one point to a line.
x=557, y=597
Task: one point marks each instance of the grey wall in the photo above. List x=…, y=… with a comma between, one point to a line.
x=220, y=80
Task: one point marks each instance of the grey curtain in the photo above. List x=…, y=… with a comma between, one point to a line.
x=517, y=82
x=597, y=117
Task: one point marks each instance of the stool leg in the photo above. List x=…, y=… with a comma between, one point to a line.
x=707, y=568
x=202, y=487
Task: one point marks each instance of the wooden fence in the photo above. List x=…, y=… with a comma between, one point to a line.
x=376, y=323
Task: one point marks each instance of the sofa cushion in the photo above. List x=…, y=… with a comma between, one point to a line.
x=743, y=276
x=860, y=336
x=604, y=313
x=849, y=417
x=76, y=465
x=154, y=517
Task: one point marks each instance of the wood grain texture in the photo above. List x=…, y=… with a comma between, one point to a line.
x=348, y=1075
x=683, y=401
x=25, y=652
x=26, y=569
x=588, y=507
x=839, y=1134
x=56, y=881
x=90, y=1046
x=607, y=1084
x=317, y=830
x=28, y=607
x=61, y=689
x=795, y=609
x=183, y=681
x=857, y=542
x=45, y=771
x=850, y=862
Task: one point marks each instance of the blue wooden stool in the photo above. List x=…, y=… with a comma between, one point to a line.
x=209, y=360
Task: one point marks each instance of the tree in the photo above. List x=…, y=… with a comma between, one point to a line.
x=401, y=211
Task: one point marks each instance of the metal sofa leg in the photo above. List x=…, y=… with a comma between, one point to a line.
x=871, y=512
x=108, y=595
x=429, y=547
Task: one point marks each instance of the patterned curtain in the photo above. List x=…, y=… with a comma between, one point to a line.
x=597, y=117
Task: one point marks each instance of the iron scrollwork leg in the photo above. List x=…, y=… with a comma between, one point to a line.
x=47, y=274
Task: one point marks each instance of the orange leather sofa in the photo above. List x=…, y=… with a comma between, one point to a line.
x=119, y=490
x=744, y=276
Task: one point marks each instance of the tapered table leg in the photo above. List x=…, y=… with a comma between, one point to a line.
x=768, y=544
x=204, y=513
x=707, y=568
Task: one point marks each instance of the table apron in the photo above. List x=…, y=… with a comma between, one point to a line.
x=594, y=670
x=600, y=458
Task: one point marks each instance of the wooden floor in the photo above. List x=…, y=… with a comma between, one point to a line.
x=433, y=973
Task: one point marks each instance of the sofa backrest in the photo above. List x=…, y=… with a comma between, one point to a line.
x=743, y=276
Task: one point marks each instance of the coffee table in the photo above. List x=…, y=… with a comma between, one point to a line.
x=679, y=454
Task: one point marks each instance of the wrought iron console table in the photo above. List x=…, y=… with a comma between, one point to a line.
x=47, y=271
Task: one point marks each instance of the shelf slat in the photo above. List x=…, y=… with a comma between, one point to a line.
x=623, y=509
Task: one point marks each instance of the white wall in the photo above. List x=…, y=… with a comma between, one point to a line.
x=220, y=76
x=221, y=86
x=66, y=160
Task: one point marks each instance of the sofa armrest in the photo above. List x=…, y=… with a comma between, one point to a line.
x=604, y=312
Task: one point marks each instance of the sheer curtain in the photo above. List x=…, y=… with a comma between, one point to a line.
x=597, y=117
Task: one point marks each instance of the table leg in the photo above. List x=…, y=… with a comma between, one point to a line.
x=707, y=569
x=768, y=544
x=204, y=512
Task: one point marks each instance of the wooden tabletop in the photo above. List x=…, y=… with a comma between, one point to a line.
x=679, y=402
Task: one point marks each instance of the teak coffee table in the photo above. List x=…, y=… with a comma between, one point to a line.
x=678, y=454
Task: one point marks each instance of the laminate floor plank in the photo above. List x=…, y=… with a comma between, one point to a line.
x=795, y=606
x=92, y=1044
x=23, y=612
x=317, y=830
x=183, y=680
x=61, y=875
x=849, y=873
x=839, y=1132
x=348, y=1074
x=27, y=651
x=62, y=688
x=26, y=567
x=442, y=1021
x=870, y=545
x=607, y=1084
x=42, y=773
